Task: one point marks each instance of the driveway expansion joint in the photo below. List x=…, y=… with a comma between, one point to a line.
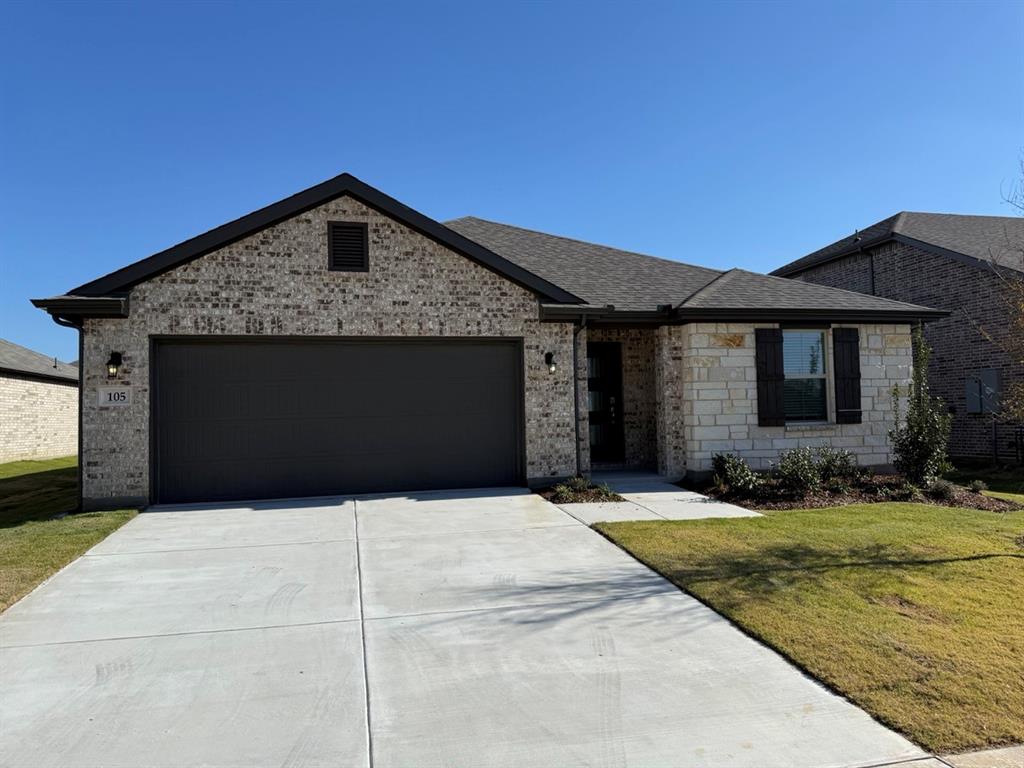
x=362, y=633
x=91, y=554
x=218, y=630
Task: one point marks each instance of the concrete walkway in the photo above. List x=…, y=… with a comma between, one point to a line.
x=649, y=496
x=466, y=628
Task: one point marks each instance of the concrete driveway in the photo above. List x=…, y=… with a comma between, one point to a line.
x=460, y=629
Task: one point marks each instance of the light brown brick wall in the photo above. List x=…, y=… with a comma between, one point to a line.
x=38, y=419
x=276, y=282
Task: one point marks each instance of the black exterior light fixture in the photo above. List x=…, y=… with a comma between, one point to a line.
x=114, y=364
x=549, y=361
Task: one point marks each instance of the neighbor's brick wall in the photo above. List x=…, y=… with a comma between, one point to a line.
x=38, y=419
x=974, y=297
x=638, y=400
x=276, y=282
x=719, y=397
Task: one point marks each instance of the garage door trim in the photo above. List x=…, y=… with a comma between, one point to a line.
x=157, y=340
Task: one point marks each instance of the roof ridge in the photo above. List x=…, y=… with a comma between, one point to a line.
x=582, y=242
x=721, y=277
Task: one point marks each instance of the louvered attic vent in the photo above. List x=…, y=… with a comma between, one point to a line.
x=347, y=246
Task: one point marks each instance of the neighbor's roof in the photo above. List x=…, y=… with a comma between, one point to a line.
x=635, y=282
x=17, y=359
x=983, y=239
x=566, y=275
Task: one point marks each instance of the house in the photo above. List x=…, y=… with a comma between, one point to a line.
x=339, y=341
x=38, y=405
x=957, y=263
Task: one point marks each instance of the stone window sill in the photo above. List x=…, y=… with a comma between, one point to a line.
x=808, y=425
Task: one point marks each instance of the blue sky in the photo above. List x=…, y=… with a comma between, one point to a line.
x=743, y=134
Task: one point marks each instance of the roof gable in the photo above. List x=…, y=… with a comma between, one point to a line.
x=123, y=279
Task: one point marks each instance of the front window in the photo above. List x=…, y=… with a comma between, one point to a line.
x=803, y=355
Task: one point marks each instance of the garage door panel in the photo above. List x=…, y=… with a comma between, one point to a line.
x=235, y=420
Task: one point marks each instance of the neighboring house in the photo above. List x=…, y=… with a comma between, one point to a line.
x=339, y=341
x=956, y=263
x=38, y=405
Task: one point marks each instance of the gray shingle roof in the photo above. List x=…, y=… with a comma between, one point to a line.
x=992, y=239
x=739, y=289
x=14, y=357
x=635, y=282
x=599, y=275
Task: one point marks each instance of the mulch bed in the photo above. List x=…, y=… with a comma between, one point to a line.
x=869, y=490
x=561, y=495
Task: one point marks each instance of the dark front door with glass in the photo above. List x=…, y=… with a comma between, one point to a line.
x=604, y=380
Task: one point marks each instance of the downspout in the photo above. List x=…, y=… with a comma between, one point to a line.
x=575, y=389
x=81, y=392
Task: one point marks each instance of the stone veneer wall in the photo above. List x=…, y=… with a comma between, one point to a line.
x=276, y=282
x=638, y=399
x=973, y=337
x=38, y=418
x=719, y=397
x=670, y=399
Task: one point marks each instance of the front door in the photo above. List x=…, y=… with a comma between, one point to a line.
x=604, y=381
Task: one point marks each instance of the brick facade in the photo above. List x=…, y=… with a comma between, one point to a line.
x=276, y=282
x=973, y=294
x=38, y=418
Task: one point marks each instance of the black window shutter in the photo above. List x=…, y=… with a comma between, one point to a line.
x=846, y=352
x=771, y=407
x=347, y=246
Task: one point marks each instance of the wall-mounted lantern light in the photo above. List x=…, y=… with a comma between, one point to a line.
x=114, y=364
x=549, y=361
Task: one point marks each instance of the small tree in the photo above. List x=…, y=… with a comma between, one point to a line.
x=919, y=444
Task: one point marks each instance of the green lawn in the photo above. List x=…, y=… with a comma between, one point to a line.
x=32, y=544
x=914, y=612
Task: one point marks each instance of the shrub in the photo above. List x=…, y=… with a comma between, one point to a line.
x=919, y=443
x=978, y=486
x=797, y=471
x=943, y=490
x=736, y=474
x=834, y=464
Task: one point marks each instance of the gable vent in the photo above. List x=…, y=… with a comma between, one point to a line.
x=347, y=246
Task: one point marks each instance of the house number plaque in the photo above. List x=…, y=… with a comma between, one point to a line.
x=115, y=396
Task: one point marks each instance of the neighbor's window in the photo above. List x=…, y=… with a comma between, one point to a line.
x=982, y=391
x=803, y=355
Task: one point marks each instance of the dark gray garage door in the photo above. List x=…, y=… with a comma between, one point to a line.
x=280, y=418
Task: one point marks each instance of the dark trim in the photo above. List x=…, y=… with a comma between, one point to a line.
x=73, y=308
x=81, y=402
x=17, y=373
x=814, y=315
x=345, y=184
x=790, y=270
x=809, y=325
x=155, y=340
